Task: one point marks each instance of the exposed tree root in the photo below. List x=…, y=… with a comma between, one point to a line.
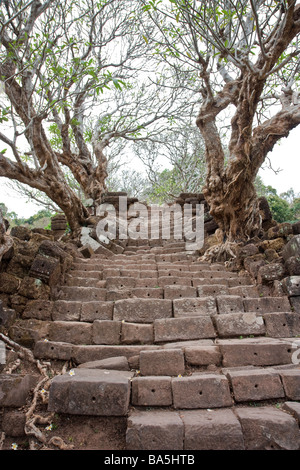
x=40, y=393
x=221, y=252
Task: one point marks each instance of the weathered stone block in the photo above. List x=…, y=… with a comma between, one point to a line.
x=136, y=333
x=267, y=304
x=100, y=310
x=229, y=304
x=201, y=391
x=194, y=307
x=255, y=385
x=256, y=352
x=15, y=389
x=177, y=292
x=66, y=310
x=120, y=282
x=28, y=332
x=280, y=230
x=212, y=429
x=9, y=284
x=162, y=362
x=176, y=329
x=106, y=332
x=142, y=310
x=282, y=325
x=39, y=309
x=152, y=391
x=239, y=324
x=212, y=290
x=46, y=268
x=291, y=382
x=70, y=332
x=270, y=273
x=292, y=265
x=155, y=430
x=291, y=285
x=114, y=363
x=267, y=428
x=202, y=355
x=91, y=392
x=13, y=423
x=292, y=248
x=82, y=294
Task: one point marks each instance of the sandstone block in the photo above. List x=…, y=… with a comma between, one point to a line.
x=152, y=391
x=162, y=362
x=142, y=310
x=212, y=430
x=176, y=329
x=194, y=307
x=267, y=304
x=256, y=352
x=202, y=355
x=282, y=325
x=70, y=332
x=229, y=304
x=267, y=428
x=155, y=430
x=91, y=392
x=136, y=333
x=239, y=324
x=99, y=310
x=201, y=391
x=106, y=332
x=291, y=382
x=255, y=385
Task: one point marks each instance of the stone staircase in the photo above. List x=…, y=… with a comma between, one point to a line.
x=195, y=356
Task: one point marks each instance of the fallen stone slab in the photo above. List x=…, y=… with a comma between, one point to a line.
x=91, y=392
x=201, y=391
x=266, y=428
x=212, y=430
x=154, y=430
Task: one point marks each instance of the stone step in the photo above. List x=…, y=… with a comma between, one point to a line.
x=81, y=293
x=246, y=428
x=91, y=392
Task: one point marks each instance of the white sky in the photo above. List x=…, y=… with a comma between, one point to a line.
x=285, y=156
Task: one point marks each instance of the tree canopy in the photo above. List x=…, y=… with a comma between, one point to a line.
x=87, y=82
